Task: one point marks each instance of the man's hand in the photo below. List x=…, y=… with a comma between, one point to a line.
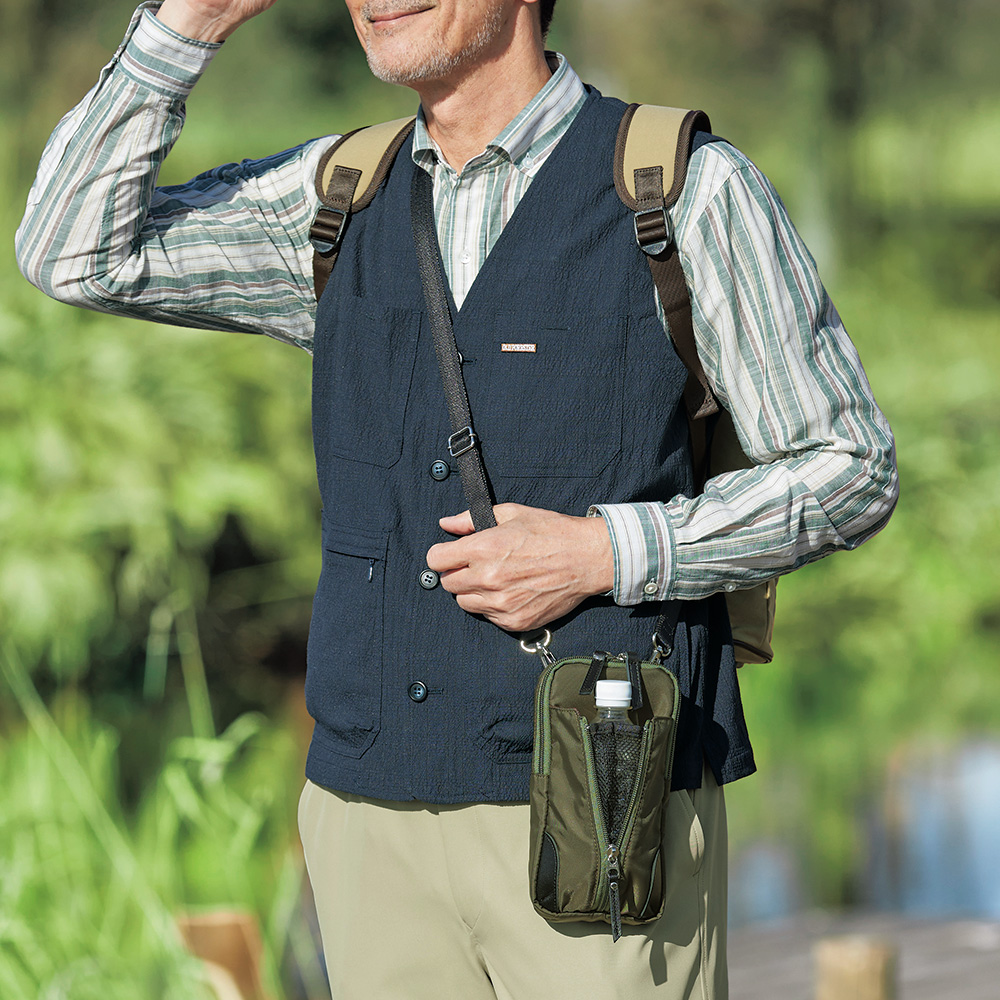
x=209, y=20
x=532, y=568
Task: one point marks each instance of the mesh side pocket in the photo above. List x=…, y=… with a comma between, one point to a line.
x=617, y=748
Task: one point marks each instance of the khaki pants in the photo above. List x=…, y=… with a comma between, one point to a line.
x=425, y=901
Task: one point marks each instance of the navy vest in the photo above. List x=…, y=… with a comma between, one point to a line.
x=414, y=698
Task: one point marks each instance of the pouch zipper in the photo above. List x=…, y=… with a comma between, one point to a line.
x=608, y=894
x=633, y=807
x=614, y=894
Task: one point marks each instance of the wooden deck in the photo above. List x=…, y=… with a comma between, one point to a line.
x=957, y=960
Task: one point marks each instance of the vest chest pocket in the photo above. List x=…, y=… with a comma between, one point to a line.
x=344, y=675
x=362, y=368
x=554, y=406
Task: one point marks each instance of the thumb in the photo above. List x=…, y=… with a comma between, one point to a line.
x=458, y=524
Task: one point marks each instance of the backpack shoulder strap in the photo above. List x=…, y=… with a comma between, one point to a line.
x=357, y=161
x=654, y=145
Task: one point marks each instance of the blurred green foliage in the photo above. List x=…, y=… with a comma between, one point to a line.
x=158, y=517
x=91, y=890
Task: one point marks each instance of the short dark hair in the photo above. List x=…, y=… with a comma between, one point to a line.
x=547, y=7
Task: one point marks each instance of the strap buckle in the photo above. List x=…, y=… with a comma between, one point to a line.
x=654, y=230
x=328, y=230
x=462, y=441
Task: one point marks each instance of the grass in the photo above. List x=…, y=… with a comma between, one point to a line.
x=90, y=891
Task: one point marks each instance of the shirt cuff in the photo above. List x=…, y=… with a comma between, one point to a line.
x=158, y=58
x=643, y=546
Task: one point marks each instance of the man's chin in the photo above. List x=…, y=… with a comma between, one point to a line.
x=409, y=71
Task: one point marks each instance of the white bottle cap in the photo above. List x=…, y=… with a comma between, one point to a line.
x=613, y=694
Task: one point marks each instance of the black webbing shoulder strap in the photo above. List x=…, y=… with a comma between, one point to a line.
x=463, y=444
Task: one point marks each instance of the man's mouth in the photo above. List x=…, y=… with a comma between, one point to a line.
x=376, y=13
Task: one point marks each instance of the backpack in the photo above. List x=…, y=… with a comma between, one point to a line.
x=653, y=143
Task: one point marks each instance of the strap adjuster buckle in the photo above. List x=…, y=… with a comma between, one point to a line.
x=462, y=441
x=654, y=230
x=328, y=230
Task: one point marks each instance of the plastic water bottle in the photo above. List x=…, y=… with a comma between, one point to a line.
x=614, y=699
x=614, y=742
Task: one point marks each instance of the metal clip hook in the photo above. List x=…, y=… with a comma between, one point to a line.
x=661, y=648
x=541, y=647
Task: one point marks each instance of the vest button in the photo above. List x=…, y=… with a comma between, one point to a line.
x=440, y=470
x=429, y=579
x=417, y=691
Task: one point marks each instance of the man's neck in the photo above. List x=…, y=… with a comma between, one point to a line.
x=464, y=115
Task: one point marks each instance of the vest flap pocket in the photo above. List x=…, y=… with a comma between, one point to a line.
x=554, y=406
x=354, y=541
x=344, y=668
x=362, y=371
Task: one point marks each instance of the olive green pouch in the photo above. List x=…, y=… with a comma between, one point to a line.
x=575, y=872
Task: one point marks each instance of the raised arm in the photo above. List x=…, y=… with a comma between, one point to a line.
x=209, y=20
x=228, y=250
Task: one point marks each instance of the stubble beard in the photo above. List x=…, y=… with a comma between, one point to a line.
x=427, y=58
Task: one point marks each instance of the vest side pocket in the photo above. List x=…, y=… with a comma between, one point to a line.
x=344, y=656
x=361, y=383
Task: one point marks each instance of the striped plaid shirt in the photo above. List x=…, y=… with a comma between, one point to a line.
x=229, y=250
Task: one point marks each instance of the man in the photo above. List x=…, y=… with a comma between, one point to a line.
x=413, y=817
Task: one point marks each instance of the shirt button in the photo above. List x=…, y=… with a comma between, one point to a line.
x=440, y=470
x=417, y=691
x=429, y=579
x=650, y=588
x=730, y=587
x=465, y=256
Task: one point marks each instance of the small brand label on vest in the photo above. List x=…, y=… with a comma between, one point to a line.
x=519, y=348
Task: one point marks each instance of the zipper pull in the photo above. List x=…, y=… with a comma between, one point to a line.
x=371, y=569
x=614, y=873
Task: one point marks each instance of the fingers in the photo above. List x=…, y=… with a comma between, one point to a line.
x=446, y=556
x=508, y=511
x=458, y=524
x=461, y=524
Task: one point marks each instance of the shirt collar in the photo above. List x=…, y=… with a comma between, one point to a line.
x=539, y=125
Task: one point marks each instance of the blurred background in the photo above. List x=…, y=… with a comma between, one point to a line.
x=159, y=516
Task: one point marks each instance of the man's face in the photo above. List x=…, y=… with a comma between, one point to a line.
x=423, y=41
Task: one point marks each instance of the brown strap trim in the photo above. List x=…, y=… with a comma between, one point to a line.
x=657, y=128
x=652, y=224
x=756, y=655
x=665, y=135
x=694, y=121
x=385, y=139
x=619, y=161
x=328, y=226
x=668, y=277
x=336, y=185
x=321, y=170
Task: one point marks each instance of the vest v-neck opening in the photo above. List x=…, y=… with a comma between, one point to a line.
x=511, y=233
